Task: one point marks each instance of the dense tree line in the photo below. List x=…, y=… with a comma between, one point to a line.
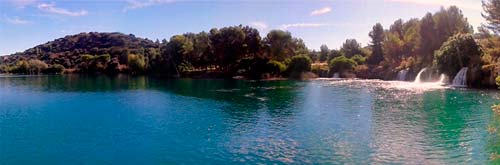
x=405, y=45
x=229, y=51
x=443, y=41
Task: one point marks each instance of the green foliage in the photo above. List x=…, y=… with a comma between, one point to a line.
x=358, y=59
x=87, y=58
x=459, y=51
x=257, y=68
x=436, y=29
x=393, y=47
x=320, y=69
x=281, y=45
x=37, y=66
x=136, y=63
x=299, y=64
x=275, y=67
x=22, y=67
x=377, y=35
x=324, y=52
x=55, y=69
x=335, y=53
x=350, y=48
x=497, y=80
x=104, y=57
x=492, y=14
x=342, y=64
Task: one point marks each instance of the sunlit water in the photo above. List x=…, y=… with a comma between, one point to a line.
x=139, y=120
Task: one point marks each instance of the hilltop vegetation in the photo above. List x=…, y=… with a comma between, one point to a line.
x=443, y=41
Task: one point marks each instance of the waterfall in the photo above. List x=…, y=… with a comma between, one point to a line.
x=442, y=79
x=460, y=79
x=417, y=79
x=336, y=75
x=402, y=75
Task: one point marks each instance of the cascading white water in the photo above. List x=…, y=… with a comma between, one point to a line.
x=336, y=75
x=417, y=79
x=442, y=79
x=402, y=75
x=460, y=79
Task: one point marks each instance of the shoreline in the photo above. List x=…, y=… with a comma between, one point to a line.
x=6, y=75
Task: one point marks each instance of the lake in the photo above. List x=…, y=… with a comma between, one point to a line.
x=141, y=120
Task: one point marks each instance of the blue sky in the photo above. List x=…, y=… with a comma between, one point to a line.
x=27, y=23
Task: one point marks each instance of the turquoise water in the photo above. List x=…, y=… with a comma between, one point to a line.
x=140, y=120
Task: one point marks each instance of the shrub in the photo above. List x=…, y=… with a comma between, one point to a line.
x=461, y=50
x=37, y=66
x=299, y=64
x=320, y=69
x=497, y=80
x=275, y=67
x=136, y=63
x=342, y=64
x=54, y=69
x=87, y=58
x=360, y=60
x=21, y=67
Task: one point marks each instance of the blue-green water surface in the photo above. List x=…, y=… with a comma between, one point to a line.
x=141, y=120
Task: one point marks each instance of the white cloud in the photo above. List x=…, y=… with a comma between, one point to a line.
x=259, y=25
x=321, y=11
x=22, y=3
x=303, y=25
x=16, y=21
x=137, y=4
x=465, y=4
x=51, y=8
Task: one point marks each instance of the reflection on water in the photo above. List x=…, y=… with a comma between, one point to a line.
x=84, y=119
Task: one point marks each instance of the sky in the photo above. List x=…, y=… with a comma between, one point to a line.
x=27, y=23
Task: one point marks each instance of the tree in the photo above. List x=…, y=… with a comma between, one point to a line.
x=397, y=28
x=360, y=60
x=377, y=35
x=334, y=53
x=55, y=69
x=350, y=48
x=136, y=63
x=459, y=51
x=492, y=14
x=176, y=51
x=299, y=64
x=228, y=45
x=252, y=43
x=22, y=67
x=281, y=45
x=393, y=48
x=342, y=64
x=427, y=39
x=449, y=22
x=37, y=66
x=323, y=54
x=275, y=67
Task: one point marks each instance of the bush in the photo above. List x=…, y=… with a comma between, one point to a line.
x=21, y=67
x=299, y=64
x=360, y=60
x=275, y=67
x=320, y=69
x=497, y=80
x=54, y=69
x=136, y=63
x=87, y=58
x=342, y=64
x=37, y=66
x=461, y=50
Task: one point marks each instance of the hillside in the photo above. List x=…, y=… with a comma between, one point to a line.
x=68, y=50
